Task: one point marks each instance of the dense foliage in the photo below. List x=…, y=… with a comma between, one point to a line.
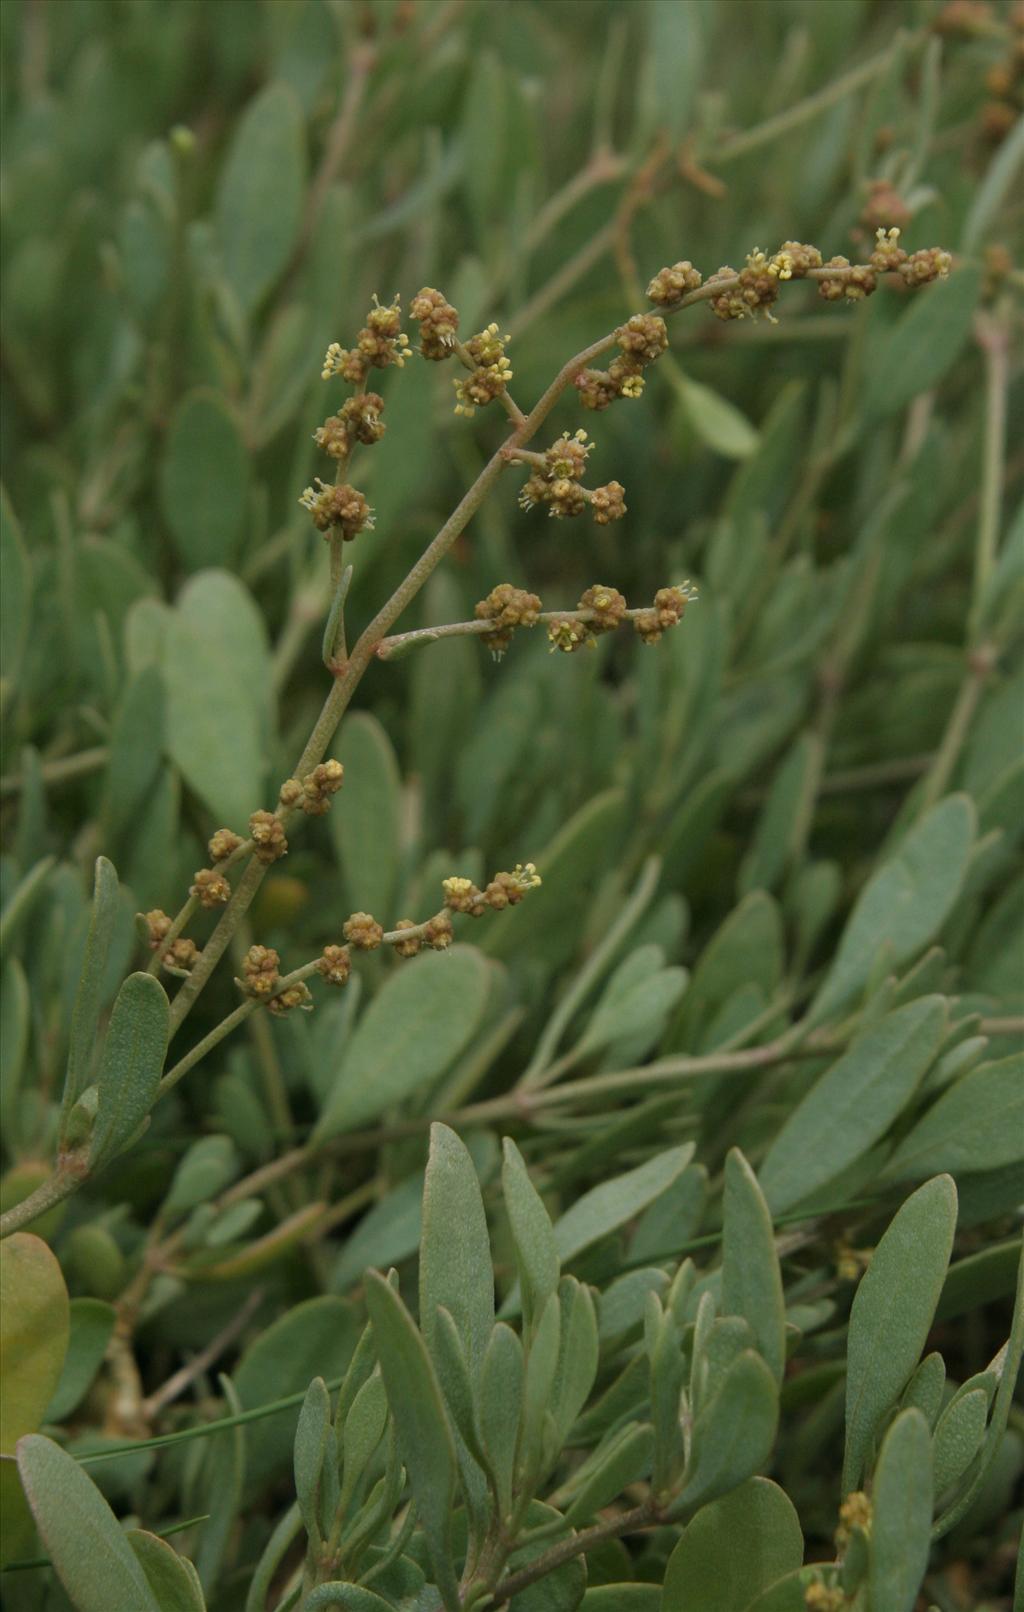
x=656, y=1246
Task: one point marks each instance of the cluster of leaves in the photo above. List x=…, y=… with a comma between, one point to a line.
x=782, y=904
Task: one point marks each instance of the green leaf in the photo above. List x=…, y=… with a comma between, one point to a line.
x=533, y=1236
x=546, y=925
x=622, y=1598
x=204, y=481
x=611, y=1204
x=577, y=1355
x=136, y=746
x=901, y=1495
x=903, y=906
x=34, y=1324
x=91, y=1324
x=214, y=659
x=207, y=1167
x=172, y=1579
x=311, y=1438
x=89, y=996
x=733, y=1550
x=676, y=57
x=892, y=1314
x=385, y=1236
x=925, y=342
x=977, y=1124
x=501, y=1398
x=733, y=1435
x=745, y=950
x=133, y=1057
x=646, y=1005
x=853, y=1104
x=414, y=1028
x=92, y=1556
x=349, y=1597
x=424, y=1436
x=15, y=596
x=366, y=823
x=610, y=1470
x=455, y=1250
x=958, y=1437
x=924, y=1390
x=716, y=421
x=260, y=194
x=784, y=817
x=995, y=187
x=751, y=1277
x=315, y=1338
x=561, y=1589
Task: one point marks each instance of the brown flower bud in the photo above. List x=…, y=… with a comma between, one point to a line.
x=362, y=931
x=462, y=895
x=438, y=932
x=222, y=843
x=335, y=964
x=670, y=286
x=921, y=268
x=182, y=954
x=438, y=322
x=319, y=785
x=267, y=832
x=296, y=996
x=608, y=503
x=568, y=634
x=259, y=972
x=159, y=926
x=290, y=792
x=211, y=887
x=608, y=606
x=644, y=337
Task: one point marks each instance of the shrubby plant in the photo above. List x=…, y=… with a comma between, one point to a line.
x=501, y=1265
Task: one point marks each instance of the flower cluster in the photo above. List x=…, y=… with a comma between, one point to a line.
x=556, y=478
x=292, y=997
x=490, y=374
x=507, y=607
x=667, y=611
x=268, y=836
x=313, y=792
x=358, y=420
x=642, y=340
x=438, y=322
x=380, y=343
x=211, y=888
x=222, y=844
x=363, y=932
x=670, y=286
x=260, y=973
x=504, y=890
x=338, y=511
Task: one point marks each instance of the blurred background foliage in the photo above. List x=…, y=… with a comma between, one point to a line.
x=198, y=197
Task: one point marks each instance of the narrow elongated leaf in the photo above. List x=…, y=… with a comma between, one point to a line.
x=172, y=1579
x=424, y=1436
x=892, y=1313
x=903, y=906
x=626, y=1460
x=386, y=1236
x=310, y=1449
x=733, y=1549
x=606, y=1207
x=501, y=1398
x=853, y=1104
x=362, y=1432
x=733, y=1435
x=751, y=1278
x=92, y=1556
x=958, y=1436
x=455, y=1250
x=91, y=1323
x=366, y=824
x=416, y=1026
x=133, y=1057
x=204, y=481
x=900, y=1536
x=978, y=1124
x=533, y=1236
x=89, y=997
x=259, y=197
x=15, y=596
x=716, y=420
x=926, y=341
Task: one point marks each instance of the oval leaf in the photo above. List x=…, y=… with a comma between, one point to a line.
x=133, y=1056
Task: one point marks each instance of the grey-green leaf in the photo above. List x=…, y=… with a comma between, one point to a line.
x=611, y=1204
x=260, y=195
x=311, y=1437
x=852, y=1105
x=92, y=1557
x=958, y=1435
x=751, y=1277
x=133, y=1057
x=903, y=906
x=892, y=1313
x=733, y=1435
x=89, y=996
x=204, y=481
x=533, y=1236
x=92, y=1322
x=455, y=1250
x=733, y=1549
x=900, y=1536
x=977, y=1124
x=926, y=341
x=414, y=1028
x=171, y=1577
x=424, y=1436
x=366, y=824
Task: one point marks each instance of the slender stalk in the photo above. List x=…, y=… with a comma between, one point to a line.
x=994, y=339
x=60, y=770
x=177, y=1383
x=627, y=1522
x=59, y=1186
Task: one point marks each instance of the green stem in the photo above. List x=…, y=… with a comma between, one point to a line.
x=627, y=1522
x=59, y=1186
x=993, y=337
x=60, y=770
